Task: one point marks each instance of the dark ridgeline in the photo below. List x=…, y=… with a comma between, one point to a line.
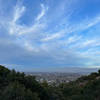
x=18, y=86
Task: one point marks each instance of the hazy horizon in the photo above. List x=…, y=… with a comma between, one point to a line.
x=54, y=69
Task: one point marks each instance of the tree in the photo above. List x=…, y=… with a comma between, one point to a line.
x=15, y=91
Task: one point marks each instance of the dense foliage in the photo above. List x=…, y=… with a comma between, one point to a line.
x=18, y=86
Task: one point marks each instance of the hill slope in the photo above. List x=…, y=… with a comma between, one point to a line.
x=17, y=86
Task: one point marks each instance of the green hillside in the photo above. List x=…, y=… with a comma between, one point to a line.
x=17, y=86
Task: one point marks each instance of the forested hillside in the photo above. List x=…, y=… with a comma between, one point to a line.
x=18, y=86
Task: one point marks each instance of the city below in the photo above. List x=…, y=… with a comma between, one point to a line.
x=60, y=77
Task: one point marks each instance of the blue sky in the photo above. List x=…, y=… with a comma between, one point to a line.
x=49, y=34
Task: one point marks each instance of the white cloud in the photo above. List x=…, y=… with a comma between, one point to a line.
x=51, y=37
x=18, y=29
x=18, y=12
x=73, y=39
x=70, y=28
x=89, y=43
x=87, y=23
x=35, y=28
x=29, y=47
x=93, y=22
x=43, y=11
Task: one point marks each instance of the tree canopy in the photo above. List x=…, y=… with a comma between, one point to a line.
x=18, y=86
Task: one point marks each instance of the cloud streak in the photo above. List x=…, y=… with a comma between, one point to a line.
x=43, y=11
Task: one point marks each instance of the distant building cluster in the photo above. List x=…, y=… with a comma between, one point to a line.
x=54, y=78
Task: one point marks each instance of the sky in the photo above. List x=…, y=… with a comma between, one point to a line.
x=48, y=35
